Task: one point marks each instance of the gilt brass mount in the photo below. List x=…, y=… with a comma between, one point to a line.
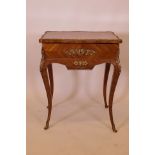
x=80, y=52
x=80, y=63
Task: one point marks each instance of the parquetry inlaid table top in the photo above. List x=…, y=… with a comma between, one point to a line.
x=79, y=37
x=80, y=50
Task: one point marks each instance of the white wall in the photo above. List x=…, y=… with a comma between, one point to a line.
x=96, y=15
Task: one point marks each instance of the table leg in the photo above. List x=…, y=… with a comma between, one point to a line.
x=45, y=78
x=50, y=72
x=106, y=74
x=116, y=73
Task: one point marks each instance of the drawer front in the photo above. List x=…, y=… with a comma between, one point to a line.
x=84, y=51
x=77, y=63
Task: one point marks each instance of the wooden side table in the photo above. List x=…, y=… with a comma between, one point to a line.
x=80, y=50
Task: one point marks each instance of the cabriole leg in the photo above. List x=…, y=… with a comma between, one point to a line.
x=45, y=78
x=116, y=73
x=106, y=74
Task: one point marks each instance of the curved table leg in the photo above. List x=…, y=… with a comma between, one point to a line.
x=50, y=72
x=116, y=73
x=45, y=78
x=106, y=74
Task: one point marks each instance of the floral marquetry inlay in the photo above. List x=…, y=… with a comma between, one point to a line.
x=80, y=52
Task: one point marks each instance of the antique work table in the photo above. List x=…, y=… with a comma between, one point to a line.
x=80, y=50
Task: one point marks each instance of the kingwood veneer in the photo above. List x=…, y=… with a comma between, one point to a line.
x=80, y=50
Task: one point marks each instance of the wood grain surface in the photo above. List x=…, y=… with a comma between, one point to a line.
x=79, y=37
x=80, y=50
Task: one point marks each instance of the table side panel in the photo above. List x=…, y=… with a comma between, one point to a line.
x=80, y=50
x=80, y=56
